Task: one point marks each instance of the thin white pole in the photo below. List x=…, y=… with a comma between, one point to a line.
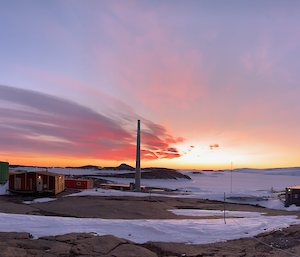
x=224, y=209
x=231, y=180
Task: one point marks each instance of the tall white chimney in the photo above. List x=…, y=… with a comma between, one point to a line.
x=138, y=160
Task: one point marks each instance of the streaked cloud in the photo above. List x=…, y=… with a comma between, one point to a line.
x=40, y=123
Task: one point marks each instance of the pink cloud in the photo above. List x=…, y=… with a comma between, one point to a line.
x=53, y=126
x=168, y=155
x=171, y=140
x=213, y=146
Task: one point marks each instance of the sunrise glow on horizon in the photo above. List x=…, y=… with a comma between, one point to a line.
x=213, y=83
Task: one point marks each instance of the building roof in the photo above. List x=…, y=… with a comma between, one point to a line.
x=48, y=173
x=294, y=187
x=15, y=172
x=79, y=179
x=42, y=172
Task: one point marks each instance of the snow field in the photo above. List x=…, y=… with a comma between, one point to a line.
x=204, y=213
x=201, y=231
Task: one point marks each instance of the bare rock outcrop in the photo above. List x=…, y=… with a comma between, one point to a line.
x=130, y=250
x=74, y=244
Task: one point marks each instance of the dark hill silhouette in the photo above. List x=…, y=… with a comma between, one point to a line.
x=15, y=166
x=124, y=166
x=87, y=167
x=152, y=173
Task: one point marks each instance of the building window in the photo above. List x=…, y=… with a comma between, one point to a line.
x=78, y=183
x=296, y=195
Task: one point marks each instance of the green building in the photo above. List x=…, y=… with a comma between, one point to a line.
x=3, y=172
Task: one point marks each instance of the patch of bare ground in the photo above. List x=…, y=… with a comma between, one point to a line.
x=122, y=207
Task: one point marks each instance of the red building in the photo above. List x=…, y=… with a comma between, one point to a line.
x=120, y=187
x=79, y=183
x=36, y=182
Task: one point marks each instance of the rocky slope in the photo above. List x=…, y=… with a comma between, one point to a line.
x=151, y=173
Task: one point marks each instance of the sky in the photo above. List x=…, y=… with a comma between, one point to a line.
x=213, y=83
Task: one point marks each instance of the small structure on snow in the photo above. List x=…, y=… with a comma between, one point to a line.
x=292, y=196
x=79, y=183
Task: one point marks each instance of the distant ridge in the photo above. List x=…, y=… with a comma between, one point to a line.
x=149, y=173
x=15, y=166
x=124, y=166
x=86, y=167
x=159, y=169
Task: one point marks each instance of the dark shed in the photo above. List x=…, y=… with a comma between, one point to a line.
x=292, y=196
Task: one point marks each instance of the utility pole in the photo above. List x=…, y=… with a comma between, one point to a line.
x=138, y=160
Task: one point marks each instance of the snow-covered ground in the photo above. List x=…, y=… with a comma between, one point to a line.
x=200, y=231
x=241, y=185
x=40, y=200
x=205, y=213
x=3, y=189
x=271, y=203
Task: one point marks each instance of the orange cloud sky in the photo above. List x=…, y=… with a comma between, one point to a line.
x=47, y=126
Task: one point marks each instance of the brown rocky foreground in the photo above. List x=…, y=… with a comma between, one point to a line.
x=12, y=244
x=74, y=244
x=287, y=240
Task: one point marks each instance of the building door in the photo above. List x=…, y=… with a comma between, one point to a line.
x=39, y=186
